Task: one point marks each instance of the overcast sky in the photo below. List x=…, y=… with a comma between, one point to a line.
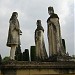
x=29, y=12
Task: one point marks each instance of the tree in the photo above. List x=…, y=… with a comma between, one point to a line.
x=18, y=54
x=63, y=42
x=73, y=56
x=6, y=59
x=32, y=53
x=0, y=59
x=26, y=55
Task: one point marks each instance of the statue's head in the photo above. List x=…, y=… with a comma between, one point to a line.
x=50, y=10
x=15, y=14
x=38, y=22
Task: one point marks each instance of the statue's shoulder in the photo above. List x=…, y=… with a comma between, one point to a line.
x=48, y=19
x=54, y=16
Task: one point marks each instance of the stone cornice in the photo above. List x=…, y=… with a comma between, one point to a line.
x=38, y=65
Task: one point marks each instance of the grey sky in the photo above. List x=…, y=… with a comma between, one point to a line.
x=31, y=10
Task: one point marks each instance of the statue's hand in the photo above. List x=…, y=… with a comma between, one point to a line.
x=20, y=32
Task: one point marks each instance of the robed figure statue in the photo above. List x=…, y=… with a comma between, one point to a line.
x=41, y=53
x=54, y=34
x=13, y=34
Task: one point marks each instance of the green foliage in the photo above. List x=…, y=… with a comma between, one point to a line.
x=18, y=57
x=33, y=53
x=18, y=54
x=73, y=56
x=18, y=49
x=63, y=42
x=26, y=55
x=0, y=59
x=6, y=59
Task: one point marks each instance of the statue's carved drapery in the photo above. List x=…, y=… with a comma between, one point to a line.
x=39, y=42
x=14, y=31
x=13, y=34
x=54, y=34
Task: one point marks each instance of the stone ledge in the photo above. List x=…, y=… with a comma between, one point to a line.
x=38, y=65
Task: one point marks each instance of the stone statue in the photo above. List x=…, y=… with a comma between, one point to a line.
x=14, y=34
x=41, y=53
x=54, y=33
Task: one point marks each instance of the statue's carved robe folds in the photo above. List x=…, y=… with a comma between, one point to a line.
x=54, y=35
x=14, y=33
x=40, y=45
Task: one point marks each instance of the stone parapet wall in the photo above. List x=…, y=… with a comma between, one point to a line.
x=38, y=68
x=23, y=64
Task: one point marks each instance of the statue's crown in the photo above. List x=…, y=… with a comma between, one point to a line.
x=50, y=10
x=39, y=22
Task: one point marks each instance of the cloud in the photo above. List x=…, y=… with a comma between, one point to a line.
x=31, y=10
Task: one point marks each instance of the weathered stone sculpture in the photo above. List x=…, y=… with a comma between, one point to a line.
x=39, y=42
x=14, y=34
x=54, y=33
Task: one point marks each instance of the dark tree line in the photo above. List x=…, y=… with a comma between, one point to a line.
x=19, y=56
x=0, y=59
x=26, y=55
x=18, y=53
x=32, y=53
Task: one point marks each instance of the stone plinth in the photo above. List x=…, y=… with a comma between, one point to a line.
x=38, y=68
